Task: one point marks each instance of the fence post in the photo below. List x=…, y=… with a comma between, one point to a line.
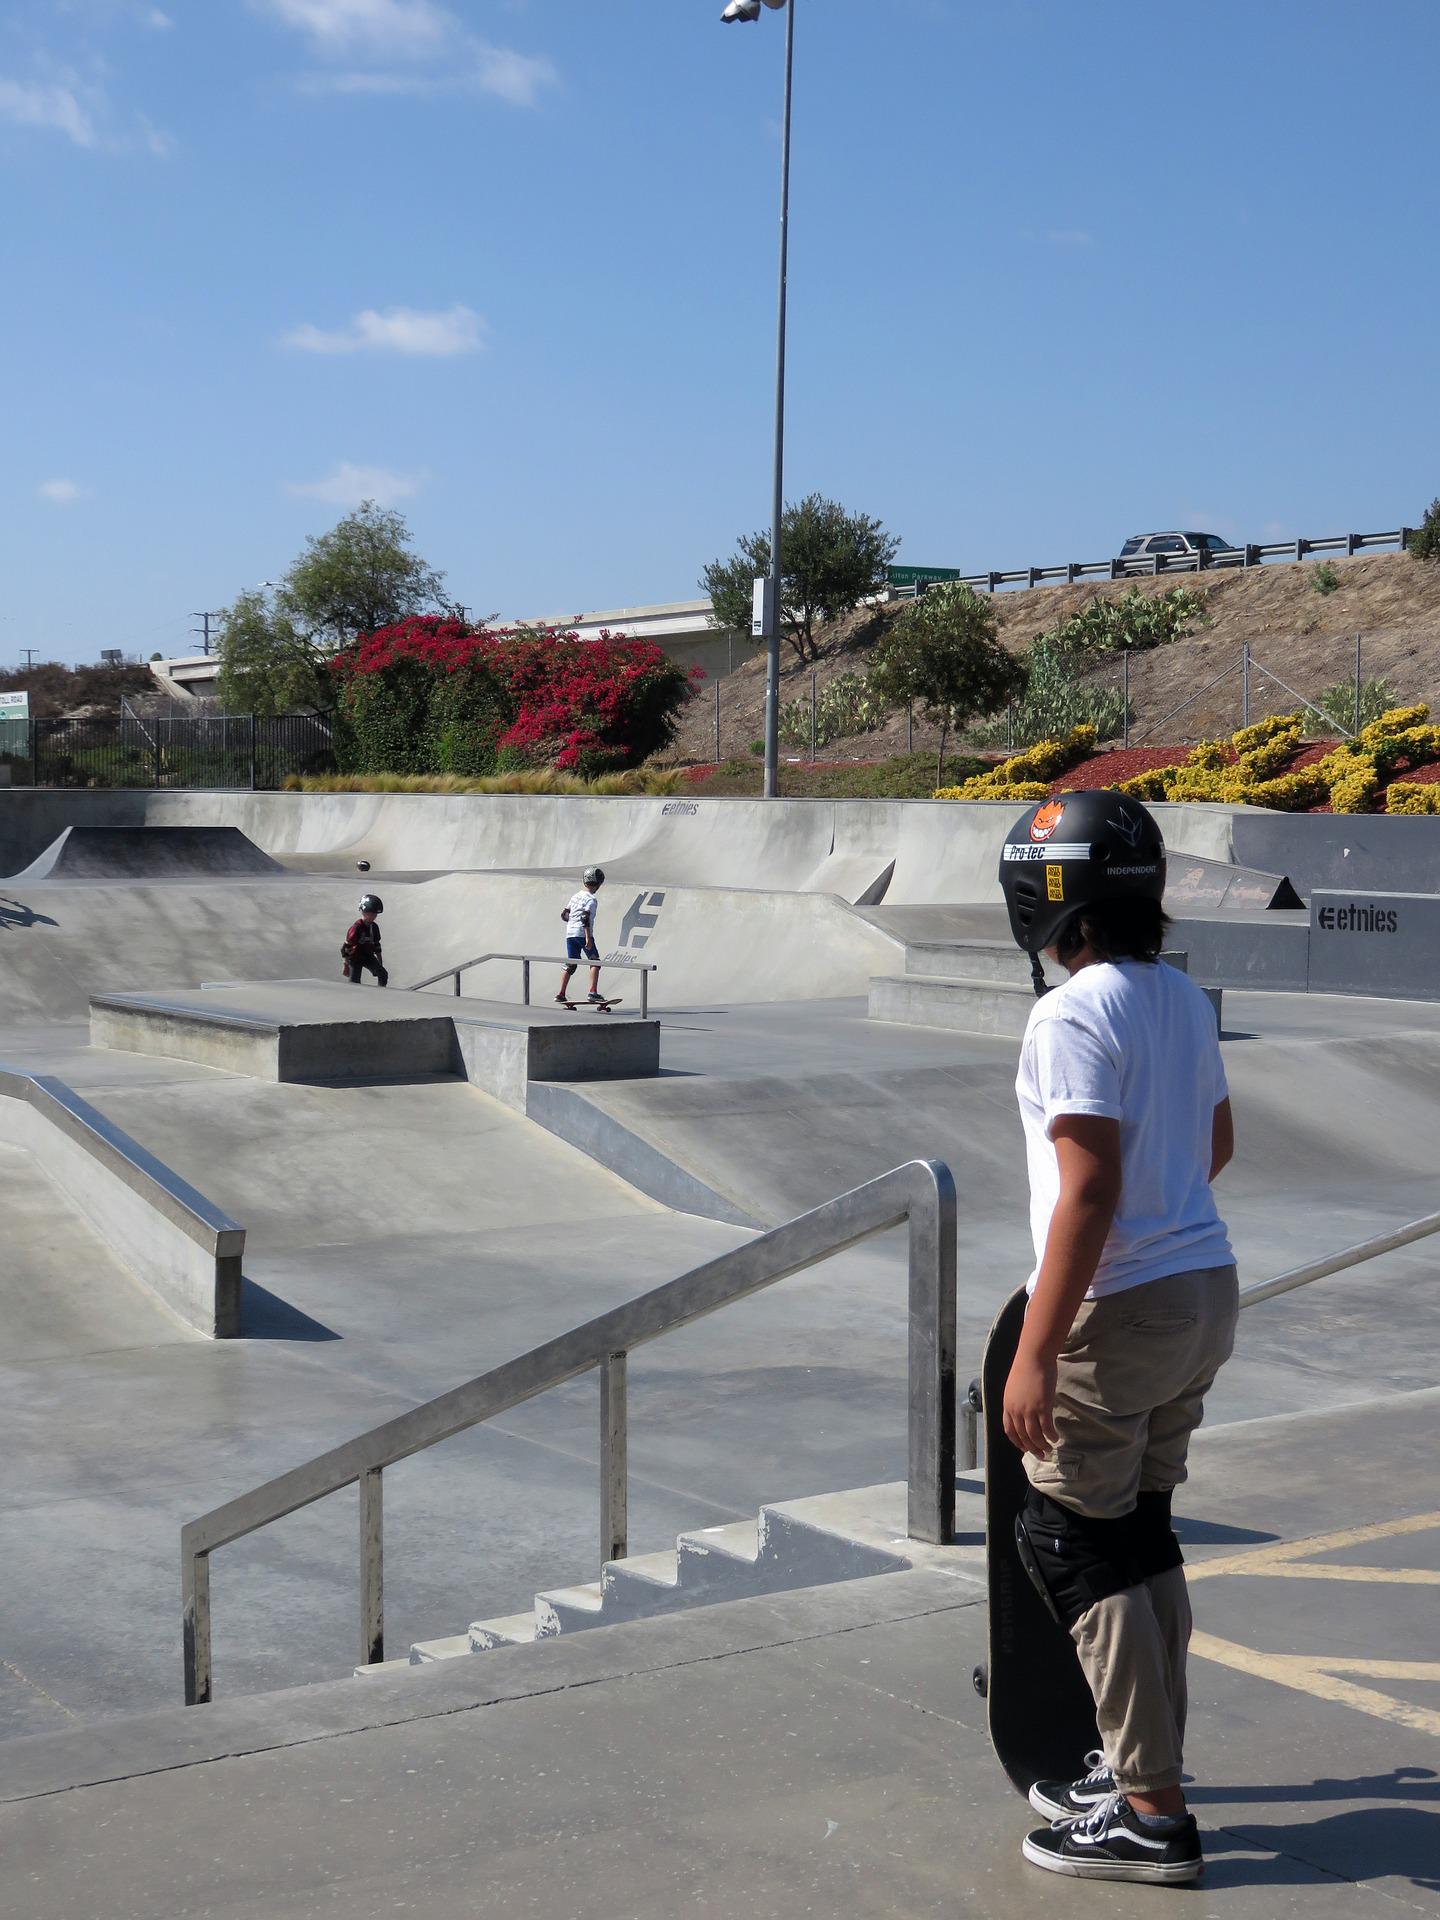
x=717, y=722
x=34, y=732
x=812, y=716
x=1357, y=686
x=1125, y=698
x=909, y=726
x=1245, y=684
x=1010, y=728
x=253, y=780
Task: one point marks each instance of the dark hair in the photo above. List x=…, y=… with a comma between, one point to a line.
x=1116, y=930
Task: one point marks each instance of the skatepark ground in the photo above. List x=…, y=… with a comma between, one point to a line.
x=819, y=1750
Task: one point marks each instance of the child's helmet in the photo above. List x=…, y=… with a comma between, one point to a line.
x=371, y=903
x=1075, y=852
x=362, y=866
x=593, y=877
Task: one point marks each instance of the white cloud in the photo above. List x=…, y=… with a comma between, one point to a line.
x=407, y=46
x=411, y=29
x=60, y=493
x=55, y=106
x=347, y=485
x=156, y=20
x=405, y=330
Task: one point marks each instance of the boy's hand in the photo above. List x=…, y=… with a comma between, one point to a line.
x=1030, y=1404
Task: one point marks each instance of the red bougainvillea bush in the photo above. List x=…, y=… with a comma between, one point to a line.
x=433, y=695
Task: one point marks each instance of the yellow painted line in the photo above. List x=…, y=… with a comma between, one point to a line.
x=1323, y=1680
x=1294, y=1559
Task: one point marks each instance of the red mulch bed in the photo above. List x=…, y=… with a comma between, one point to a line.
x=1109, y=769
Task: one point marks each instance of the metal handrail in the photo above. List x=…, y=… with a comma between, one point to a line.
x=920, y=1194
x=527, y=960
x=1338, y=1262
x=1151, y=565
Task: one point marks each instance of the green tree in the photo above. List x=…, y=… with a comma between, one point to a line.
x=275, y=649
x=359, y=576
x=1424, y=543
x=267, y=664
x=830, y=561
x=943, y=654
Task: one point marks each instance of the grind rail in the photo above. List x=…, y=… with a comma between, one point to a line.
x=527, y=960
x=919, y=1195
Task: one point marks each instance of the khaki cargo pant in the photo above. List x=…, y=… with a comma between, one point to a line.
x=1133, y=1376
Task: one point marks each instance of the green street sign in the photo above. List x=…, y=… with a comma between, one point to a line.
x=911, y=576
x=14, y=706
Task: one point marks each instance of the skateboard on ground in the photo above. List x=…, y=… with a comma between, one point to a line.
x=594, y=1006
x=1042, y=1717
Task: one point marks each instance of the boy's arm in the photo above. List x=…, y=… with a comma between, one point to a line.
x=1222, y=1139
x=1087, y=1147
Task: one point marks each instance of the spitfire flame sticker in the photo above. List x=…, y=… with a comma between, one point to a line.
x=1046, y=820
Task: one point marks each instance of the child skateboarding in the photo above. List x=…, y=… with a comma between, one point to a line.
x=361, y=948
x=579, y=918
x=1131, y=1312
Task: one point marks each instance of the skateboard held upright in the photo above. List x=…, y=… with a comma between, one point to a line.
x=1042, y=1718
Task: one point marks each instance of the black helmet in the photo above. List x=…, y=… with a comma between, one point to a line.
x=1075, y=852
x=593, y=877
x=371, y=903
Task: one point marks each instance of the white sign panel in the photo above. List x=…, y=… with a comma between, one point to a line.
x=14, y=706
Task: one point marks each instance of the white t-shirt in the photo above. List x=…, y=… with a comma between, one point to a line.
x=581, y=921
x=1135, y=1042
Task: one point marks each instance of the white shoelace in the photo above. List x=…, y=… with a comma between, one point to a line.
x=1095, y=1761
x=1096, y=1824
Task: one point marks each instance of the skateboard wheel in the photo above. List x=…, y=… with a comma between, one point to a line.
x=973, y=1397
x=980, y=1680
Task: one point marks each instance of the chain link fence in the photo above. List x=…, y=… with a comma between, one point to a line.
x=182, y=750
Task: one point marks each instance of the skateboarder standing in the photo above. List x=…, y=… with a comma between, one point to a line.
x=579, y=918
x=1132, y=1311
x=361, y=948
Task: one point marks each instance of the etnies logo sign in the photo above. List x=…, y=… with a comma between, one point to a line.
x=1358, y=919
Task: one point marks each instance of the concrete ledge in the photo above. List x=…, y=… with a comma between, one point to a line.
x=309, y=1030
x=182, y=1249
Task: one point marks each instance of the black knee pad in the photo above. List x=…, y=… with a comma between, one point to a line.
x=1073, y=1560
x=1156, y=1548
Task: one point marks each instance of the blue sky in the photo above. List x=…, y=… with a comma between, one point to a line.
x=1059, y=273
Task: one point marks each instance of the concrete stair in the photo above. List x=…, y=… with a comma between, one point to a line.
x=793, y=1544
x=972, y=986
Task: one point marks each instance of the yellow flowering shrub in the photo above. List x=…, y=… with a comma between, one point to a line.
x=1413, y=796
x=1035, y=768
x=1354, y=777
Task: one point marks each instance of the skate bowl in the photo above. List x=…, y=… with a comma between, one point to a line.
x=148, y=852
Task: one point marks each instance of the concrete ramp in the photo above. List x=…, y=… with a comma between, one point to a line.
x=149, y=853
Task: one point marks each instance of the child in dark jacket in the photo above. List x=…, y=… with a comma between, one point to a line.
x=361, y=949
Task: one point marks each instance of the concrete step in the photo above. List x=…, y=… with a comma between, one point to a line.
x=792, y=1544
x=973, y=960
x=424, y=1652
x=513, y=1630
x=975, y=1004
x=961, y=1005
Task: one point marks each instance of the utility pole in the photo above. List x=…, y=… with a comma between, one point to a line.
x=462, y=614
x=29, y=653
x=204, y=631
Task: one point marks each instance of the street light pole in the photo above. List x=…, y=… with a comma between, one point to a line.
x=772, y=639
x=749, y=10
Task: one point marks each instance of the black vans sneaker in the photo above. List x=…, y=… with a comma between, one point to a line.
x=1112, y=1842
x=1068, y=1799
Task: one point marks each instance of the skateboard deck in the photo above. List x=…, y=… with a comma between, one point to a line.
x=593, y=1006
x=1042, y=1718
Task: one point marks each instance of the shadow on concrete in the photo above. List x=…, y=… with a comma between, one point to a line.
x=1401, y=1783
x=265, y=1316
x=1367, y=1844
x=14, y=913
x=1213, y=1533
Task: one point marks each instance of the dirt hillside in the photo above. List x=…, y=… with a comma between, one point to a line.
x=1304, y=637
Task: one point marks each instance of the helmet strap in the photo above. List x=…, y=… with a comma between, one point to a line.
x=1037, y=975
